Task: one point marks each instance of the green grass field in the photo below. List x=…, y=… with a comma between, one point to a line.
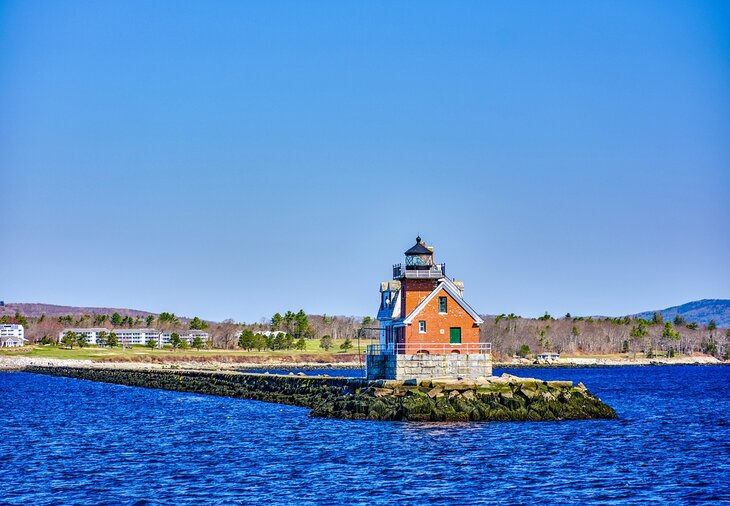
x=136, y=352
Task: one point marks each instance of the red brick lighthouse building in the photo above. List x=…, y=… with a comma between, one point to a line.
x=426, y=327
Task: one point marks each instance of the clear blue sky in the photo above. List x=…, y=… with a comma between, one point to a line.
x=233, y=159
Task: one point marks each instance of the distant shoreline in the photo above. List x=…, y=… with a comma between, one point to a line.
x=14, y=363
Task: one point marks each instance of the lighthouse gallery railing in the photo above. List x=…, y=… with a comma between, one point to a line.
x=430, y=348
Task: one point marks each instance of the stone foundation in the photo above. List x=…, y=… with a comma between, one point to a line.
x=422, y=366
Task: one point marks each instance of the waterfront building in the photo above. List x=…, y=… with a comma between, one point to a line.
x=548, y=356
x=136, y=336
x=426, y=327
x=185, y=335
x=91, y=334
x=12, y=335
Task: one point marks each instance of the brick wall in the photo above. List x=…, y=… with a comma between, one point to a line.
x=436, y=323
x=414, y=291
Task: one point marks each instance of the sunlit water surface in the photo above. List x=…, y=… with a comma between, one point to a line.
x=69, y=441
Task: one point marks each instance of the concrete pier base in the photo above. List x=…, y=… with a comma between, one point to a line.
x=422, y=366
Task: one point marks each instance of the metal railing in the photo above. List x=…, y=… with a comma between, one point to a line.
x=429, y=348
x=434, y=272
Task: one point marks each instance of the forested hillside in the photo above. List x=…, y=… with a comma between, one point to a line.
x=511, y=334
x=700, y=311
x=36, y=310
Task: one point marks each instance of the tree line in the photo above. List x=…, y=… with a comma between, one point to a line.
x=512, y=335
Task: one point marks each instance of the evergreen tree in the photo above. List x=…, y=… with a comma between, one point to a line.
x=175, y=340
x=20, y=319
x=112, y=340
x=197, y=343
x=669, y=332
x=326, y=342
x=301, y=323
x=152, y=344
x=198, y=324
x=288, y=341
x=279, y=340
x=246, y=340
x=166, y=317
x=524, y=351
x=289, y=318
x=116, y=319
x=69, y=339
x=259, y=341
x=639, y=331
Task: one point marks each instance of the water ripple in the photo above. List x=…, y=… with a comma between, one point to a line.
x=69, y=441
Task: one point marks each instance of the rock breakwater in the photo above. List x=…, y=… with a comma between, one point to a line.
x=502, y=398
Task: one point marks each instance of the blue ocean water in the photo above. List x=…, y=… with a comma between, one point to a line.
x=69, y=441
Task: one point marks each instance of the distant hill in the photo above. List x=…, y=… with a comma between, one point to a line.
x=700, y=311
x=33, y=310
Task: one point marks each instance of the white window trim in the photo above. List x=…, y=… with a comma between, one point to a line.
x=419, y=326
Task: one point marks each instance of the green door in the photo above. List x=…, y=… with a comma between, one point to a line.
x=455, y=335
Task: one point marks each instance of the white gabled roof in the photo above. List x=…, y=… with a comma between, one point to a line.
x=451, y=290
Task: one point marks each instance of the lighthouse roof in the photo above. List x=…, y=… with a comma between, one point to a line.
x=419, y=248
x=448, y=286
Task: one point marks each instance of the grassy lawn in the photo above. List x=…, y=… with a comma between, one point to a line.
x=96, y=352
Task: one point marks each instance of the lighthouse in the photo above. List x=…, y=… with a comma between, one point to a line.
x=427, y=329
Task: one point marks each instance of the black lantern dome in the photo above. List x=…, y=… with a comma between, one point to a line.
x=419, y=257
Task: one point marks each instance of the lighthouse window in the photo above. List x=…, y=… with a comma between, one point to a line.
x=442, y=304
x=422, y=327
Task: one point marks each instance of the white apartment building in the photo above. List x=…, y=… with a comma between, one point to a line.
x=12, y=335
x=185, y=335
x=137, y=336
x=92, y=335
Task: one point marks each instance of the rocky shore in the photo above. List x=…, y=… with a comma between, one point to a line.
x=11, y=363
x=610, y=361
x=505, y=398
x=15, y=363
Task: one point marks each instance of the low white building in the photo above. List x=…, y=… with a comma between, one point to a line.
x=136, y=336
x=12, y=335
x=271, y=333
x=548, y=356
x=185, y=335
x=130, y=337
x=92, y=335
